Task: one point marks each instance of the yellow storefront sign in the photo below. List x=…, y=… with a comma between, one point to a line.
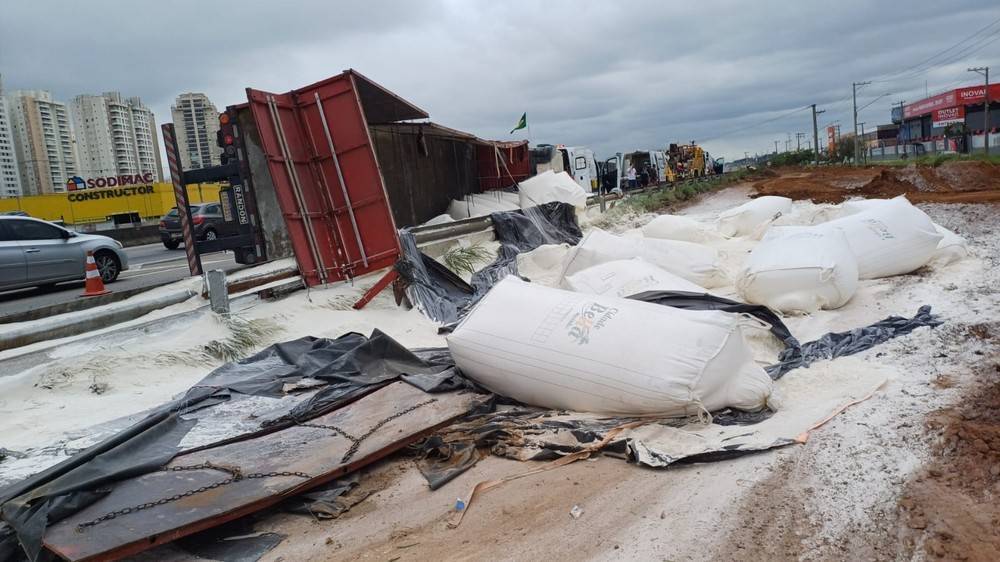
x=96, y=205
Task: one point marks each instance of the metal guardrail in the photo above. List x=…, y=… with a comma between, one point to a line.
x=434, y=233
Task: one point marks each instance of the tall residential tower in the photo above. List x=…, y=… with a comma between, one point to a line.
x=115, y=136
x=43, y=139
x=10, y=178
x=196, y=120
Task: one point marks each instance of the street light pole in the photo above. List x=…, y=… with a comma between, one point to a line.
x=985, y=71
x=854, y=94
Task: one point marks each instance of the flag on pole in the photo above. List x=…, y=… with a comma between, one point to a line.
x=521, y=123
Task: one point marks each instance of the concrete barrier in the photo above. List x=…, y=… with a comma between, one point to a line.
x=65, y=325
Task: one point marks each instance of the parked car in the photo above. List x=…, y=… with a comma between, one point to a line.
x=34, y=252
x=208, y=221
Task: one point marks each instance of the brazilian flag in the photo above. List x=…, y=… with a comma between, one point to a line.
x=521, y=123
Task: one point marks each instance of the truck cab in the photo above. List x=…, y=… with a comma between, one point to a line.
x=577, y=161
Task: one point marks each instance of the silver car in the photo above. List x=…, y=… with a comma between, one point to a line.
x=38, y=253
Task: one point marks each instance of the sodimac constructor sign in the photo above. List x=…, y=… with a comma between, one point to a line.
x=96, y=188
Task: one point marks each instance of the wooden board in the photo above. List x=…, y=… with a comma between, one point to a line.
x=316, y=452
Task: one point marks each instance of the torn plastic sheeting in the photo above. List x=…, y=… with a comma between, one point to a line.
x=349, y=366
x=328, y=501
x=443, y=297
x=840, y=344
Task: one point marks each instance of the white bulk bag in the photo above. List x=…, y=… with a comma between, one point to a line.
x=750, y=216
x=482, y=204
x=623, y=278
x=543, y=264
x=558, y=349
x=698, y=264
x=799, y=269
x=888, y=238
x=676, y=227
x=548, y=187
x=950, y=249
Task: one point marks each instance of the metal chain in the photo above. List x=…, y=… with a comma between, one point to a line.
x=356, y=441
x=235, y=475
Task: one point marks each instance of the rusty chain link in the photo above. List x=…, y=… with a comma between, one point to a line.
x=356, y=441
x=236, y=474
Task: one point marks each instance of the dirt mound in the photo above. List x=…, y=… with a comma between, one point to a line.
x=969, y=176
x=951, y=182
x=950, y=506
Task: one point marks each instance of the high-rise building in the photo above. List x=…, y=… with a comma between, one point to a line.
x=10, y=179
x=43, y=138
x=115, y=136
x=196, y=120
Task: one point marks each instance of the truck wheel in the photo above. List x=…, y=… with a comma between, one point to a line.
x=171, y=244
x=108, y=266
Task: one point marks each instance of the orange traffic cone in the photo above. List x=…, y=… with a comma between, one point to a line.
x=95, y=285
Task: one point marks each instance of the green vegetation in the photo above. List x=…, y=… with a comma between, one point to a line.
x=244, y=337
x=464, y=258
x=793, y=158
x=657, y=199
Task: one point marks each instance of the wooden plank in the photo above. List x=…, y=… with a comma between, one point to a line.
x=317, y=452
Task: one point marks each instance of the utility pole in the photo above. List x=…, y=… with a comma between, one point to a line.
x=865, y=153
x=985, y=71
x=900, y=137
x=798, y=141
x=854, y=94
x=775, y=147
x=816, y=132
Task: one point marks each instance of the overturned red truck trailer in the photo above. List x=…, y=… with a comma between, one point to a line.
x=328, y=172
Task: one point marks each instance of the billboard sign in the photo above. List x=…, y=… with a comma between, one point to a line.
x=949, y=115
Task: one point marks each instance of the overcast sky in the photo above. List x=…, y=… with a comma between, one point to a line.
x=611, y=75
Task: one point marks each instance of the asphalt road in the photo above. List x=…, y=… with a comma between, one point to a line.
x=149, y=266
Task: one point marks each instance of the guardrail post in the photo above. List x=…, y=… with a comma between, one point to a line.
x=218, y=297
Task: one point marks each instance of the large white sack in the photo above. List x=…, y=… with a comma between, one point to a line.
x=799, y=269
x=482, y=204
x=558, y=349
x=623, y=278
x=750, y=216
x=888, y=238
x=950, y=249
x=548, y=187
x=677, y=227
x=544, y=264
x=697, y=263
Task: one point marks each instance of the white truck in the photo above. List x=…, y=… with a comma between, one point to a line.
x=577, y=161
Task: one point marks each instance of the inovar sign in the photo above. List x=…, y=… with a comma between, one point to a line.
x=949, y=115
x=76, y=183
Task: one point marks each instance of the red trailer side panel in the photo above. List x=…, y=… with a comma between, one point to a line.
x=327, y=179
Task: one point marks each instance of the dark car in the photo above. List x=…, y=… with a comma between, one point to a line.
x=208, y=221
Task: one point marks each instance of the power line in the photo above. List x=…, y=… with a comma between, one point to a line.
x=755, y=125
x=886, y=77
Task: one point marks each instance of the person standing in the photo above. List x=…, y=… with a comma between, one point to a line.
x=631, y=177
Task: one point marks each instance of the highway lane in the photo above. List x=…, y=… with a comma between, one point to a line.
x=150, y=265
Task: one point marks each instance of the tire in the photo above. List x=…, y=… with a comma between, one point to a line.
x=210, y=235
x=171, y=244
x=108, y=266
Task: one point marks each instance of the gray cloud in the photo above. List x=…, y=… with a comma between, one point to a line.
x=611, y=75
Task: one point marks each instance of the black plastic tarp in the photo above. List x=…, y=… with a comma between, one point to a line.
x=444, y=297
x=340, y=369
